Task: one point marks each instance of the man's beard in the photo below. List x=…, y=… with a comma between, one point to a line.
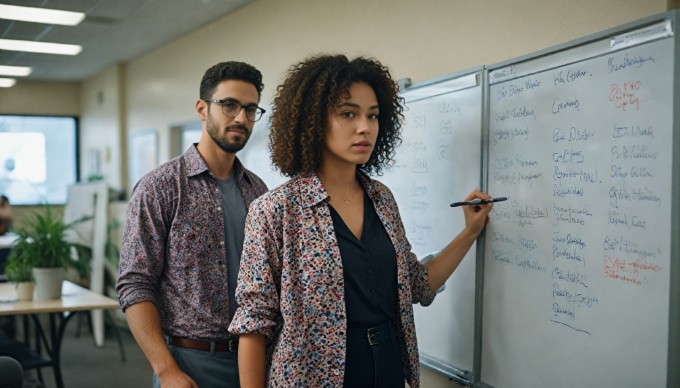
x=222, y=141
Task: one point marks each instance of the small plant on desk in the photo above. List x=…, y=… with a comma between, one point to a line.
x=44, y=246
x=20, y=273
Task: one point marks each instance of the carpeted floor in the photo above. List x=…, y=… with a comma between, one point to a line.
x=85, y=366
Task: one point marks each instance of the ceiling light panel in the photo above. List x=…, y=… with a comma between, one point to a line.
x=40, y=15
x=7, y=82
x=40, y=47
x=15, y=71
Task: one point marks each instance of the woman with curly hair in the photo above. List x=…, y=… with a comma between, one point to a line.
x=327, y=276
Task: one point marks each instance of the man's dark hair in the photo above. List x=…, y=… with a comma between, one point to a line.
x=3, y=199
x=230, y=71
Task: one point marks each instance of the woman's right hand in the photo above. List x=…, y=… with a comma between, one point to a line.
x=477, y=216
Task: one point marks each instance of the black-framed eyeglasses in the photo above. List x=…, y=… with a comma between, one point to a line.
x=231, y=108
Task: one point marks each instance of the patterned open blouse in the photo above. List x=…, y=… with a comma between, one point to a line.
x=291, y=286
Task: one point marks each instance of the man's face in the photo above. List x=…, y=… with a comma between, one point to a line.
x=231, y=133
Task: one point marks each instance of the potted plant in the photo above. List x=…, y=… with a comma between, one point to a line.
x=20, y=273
x=43, y=244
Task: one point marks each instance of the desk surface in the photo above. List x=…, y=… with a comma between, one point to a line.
x=74, y=298
x=7, y=240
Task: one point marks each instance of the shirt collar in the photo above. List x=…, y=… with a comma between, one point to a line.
x=196, y=165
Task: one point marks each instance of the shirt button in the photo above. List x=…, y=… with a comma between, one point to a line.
x=337, y=372
x=221, y=242
x=372, y=290
x=370, y=271
x=219, y=208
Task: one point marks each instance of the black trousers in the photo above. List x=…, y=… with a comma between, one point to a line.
x=373, y=358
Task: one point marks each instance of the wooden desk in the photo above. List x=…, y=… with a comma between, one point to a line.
x=74, y=298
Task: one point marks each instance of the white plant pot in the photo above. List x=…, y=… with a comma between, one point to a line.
x=48, y=282
x=25, y=291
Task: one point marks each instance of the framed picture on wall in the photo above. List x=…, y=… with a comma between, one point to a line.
x=143, y=154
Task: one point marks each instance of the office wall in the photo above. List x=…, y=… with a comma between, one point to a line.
x=41, y=98
x=102, y=126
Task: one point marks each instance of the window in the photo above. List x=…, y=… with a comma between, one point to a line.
x=38, y=158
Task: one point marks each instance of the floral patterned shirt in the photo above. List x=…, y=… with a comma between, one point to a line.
x=291, y=286
x=173, y=252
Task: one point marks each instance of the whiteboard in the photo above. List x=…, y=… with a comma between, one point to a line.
x=577, y=265
x=87, y=207
x=439, y=162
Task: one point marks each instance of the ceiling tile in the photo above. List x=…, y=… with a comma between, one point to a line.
x=109, y=34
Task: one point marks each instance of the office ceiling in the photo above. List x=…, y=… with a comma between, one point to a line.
x=114, y=31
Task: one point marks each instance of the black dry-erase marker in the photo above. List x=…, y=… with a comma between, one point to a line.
x=479, y=201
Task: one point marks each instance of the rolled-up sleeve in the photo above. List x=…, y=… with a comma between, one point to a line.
x=420, y=283
x=257, y=293
x=142, y=247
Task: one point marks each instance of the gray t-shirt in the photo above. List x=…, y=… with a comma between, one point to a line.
x=234, y=213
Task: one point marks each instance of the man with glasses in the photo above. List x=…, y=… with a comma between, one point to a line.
x=183, y=237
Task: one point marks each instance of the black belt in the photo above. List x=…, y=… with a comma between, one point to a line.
x=230, y=345
x=375, y=335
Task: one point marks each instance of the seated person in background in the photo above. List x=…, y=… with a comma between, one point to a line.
x=5, y=222
x=5, y=215
x=6, y=323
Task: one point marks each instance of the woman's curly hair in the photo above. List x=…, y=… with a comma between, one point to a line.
x=303, y=101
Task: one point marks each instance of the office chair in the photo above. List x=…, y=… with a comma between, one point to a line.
x=11, y=373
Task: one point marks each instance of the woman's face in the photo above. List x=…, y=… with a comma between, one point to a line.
x=352, y=128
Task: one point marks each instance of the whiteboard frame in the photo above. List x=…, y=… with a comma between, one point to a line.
x=585, y=48
x=481, y=240
x=673, y=377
